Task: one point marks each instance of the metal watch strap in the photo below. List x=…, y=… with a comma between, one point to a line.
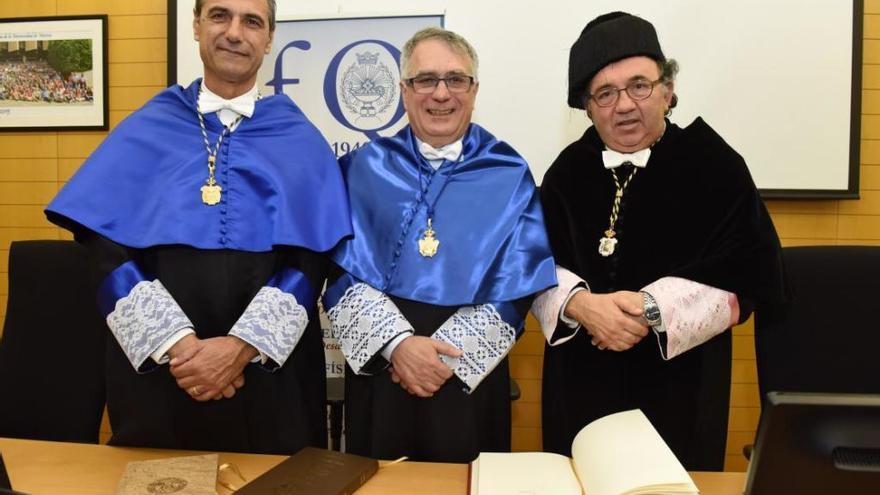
x=651, y=310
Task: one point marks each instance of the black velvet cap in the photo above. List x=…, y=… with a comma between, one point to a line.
x=608, y=38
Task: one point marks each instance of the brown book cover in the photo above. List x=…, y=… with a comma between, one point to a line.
x=314, y=471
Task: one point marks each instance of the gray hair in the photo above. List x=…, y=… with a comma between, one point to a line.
x=197, y=10
x=455, y=41
x=668, y=70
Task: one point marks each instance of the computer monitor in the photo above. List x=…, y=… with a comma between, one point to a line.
x=5, y=485
x=817, y=444
x=4, y=476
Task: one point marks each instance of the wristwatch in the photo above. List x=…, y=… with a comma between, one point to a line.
x=651, y=311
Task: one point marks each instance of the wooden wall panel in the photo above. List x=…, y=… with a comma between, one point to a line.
x=73, y=145
x=859, y=227
x=870, y=178
x=137, y=74
x=31, y=8
x=23, y=216
x=137, y=50
x=526, y=413
x=28, y=169
x=869, y=204
x=22, y=145
x=525, y=439
x=67, y=167
x=132, y=97
x=79, y=7
x=128, y=27
x=27, y=193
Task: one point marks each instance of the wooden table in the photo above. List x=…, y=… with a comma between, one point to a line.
x=50, y=468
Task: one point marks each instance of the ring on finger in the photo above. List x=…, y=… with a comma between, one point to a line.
x=194, y=390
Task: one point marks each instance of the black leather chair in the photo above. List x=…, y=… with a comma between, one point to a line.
x=828, y=338
x=52, y=349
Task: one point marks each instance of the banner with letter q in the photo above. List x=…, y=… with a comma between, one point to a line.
x=343, y=73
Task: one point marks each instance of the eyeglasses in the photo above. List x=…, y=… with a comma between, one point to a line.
x=640, y=89
x=456, y=83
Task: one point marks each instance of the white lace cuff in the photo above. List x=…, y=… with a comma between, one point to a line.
x=273, y=323
x=484, y=337
x=363, y=321
x=144, y=319
x=548, y=307
x=691, y=312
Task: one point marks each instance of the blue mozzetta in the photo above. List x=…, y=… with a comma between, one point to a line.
x=493, y=246
x=141, y=187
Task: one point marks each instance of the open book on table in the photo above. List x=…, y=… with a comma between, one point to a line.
x=620, y=454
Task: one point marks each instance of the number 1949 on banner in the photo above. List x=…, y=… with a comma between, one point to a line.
x=343, y=147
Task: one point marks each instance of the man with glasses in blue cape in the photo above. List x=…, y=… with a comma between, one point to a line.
x=207, y=211
x=432, y=291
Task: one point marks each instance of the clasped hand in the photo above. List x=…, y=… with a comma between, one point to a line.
x=416, y=365
x=211, y=368
x=614, y=321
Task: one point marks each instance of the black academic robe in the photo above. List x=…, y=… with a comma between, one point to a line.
x=694, y=213
x=276, y=412
x=384, y=421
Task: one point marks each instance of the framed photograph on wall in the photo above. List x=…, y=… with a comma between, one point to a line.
x=53, y=73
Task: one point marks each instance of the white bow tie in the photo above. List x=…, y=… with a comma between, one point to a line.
x=449, y=152
x=242, y=105
x=613, y=159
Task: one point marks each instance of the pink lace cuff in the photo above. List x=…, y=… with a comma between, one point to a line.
x=548, y=306
x=691, y=313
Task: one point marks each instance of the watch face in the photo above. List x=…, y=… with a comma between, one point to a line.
x=651, y=310
x=652, y=313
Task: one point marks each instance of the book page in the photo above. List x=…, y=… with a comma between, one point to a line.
x=622, y=453
x=523, y=473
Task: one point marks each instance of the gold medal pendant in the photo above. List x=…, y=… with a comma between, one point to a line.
x=211, y=194
x=211, y=190
x=607, y=244
x=428, y=244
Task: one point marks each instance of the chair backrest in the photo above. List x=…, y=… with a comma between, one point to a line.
x=828, y=338
x=52, y=348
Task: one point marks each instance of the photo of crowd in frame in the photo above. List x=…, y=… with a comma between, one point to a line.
x=53, y=73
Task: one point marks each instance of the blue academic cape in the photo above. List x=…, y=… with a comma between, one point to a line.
x=141, y=187
x=487, y=217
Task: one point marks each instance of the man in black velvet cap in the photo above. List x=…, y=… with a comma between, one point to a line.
x=662, y=244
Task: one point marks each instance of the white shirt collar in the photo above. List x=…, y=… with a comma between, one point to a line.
x=613, y=159
x=228, y=110
x=436, y=156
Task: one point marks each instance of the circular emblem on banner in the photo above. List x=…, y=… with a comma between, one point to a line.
x=361, y=86
x=166, y=485
x=368, y=88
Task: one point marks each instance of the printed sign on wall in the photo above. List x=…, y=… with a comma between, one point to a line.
x=343, y=73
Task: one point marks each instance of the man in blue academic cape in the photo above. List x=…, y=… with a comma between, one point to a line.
x=207, y=211
x=431, y=293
